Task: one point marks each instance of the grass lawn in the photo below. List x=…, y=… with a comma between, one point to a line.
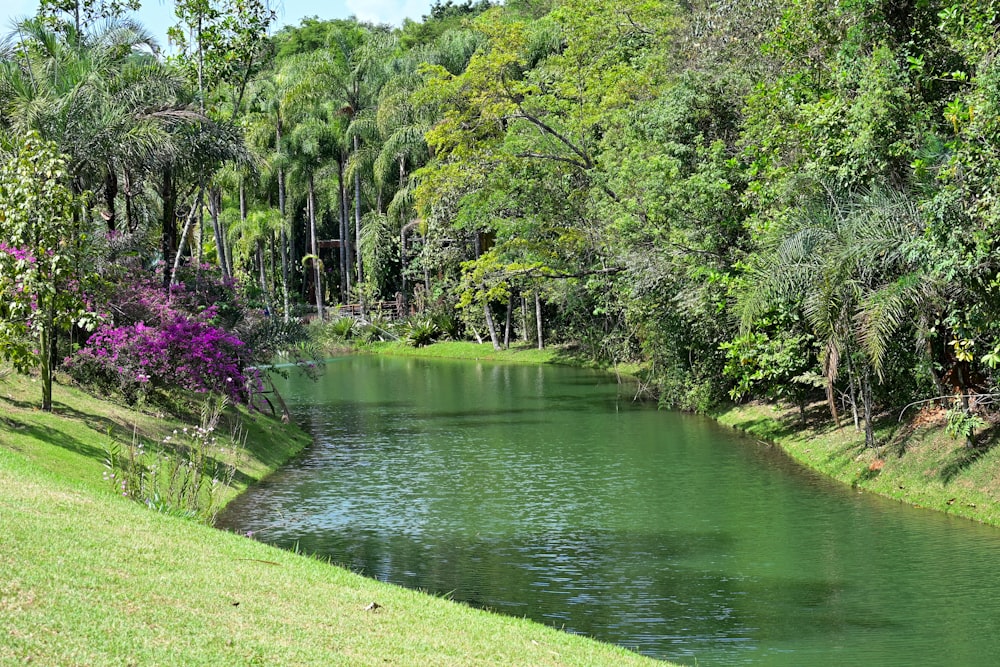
x=88, y=577
x=519, y=353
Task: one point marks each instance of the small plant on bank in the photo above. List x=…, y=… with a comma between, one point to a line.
x=341, y=329
x=421, y=331
x=963, y=424
x=185, y=473
x=377, y=328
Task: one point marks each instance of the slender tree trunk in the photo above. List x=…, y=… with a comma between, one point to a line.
x=263, y=276
x=110, y=194
x=345, y=236
x=129, y=217
x=866, y=399
x=285, y=289
x=214, y=202
x=524, y=319
x=184, y=236
x=272, y=266
x=44, y=345
x=506, y=325
x=538, y=320
x=168, y=196
x=491, y=326
x=317, y=272
x=357, y=220
x=198, y=237
x=853, y=382
x=408, y=227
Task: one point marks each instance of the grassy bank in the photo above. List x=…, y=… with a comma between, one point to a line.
x=89, y=577
x=918, y=463
x=516, y=354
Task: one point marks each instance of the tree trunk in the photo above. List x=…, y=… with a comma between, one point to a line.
x=408, y=227
x=866, y=400
x=524, y=319
x=45, y=354
x=286, y=305
x=272, y=267
x=263, y=276
x=198, y=235
x=357, y=221
x=853, y=382
x=168, y=196
x=129, y=217
x=345, y=236
x=506, y=325
x=184, y=235
x=214, y=203
x=110, y=194
x=317, y=271
x=538, y=320
x=491, y=326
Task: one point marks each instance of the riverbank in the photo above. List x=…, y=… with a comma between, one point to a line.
x=918, y=463
x=90, y=577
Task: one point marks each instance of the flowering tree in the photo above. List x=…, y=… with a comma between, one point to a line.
x=38, y=289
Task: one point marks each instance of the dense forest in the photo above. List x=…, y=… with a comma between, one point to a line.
x=784, y=199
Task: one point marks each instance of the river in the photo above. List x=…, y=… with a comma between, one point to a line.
x=546, y=492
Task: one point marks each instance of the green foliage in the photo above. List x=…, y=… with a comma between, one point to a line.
x=41, y=289
x=764, y=366
x=420, y=331
x=185, y=473
x=962, y=423
x=341, y=328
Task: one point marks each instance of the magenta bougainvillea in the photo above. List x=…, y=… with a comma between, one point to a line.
x=184, y=353
x=176, y=339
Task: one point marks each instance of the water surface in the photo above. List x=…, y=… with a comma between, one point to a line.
x=546, y=492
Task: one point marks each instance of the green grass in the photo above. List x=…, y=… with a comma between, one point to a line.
x=518, y=353
x=90, y=578
x=466, y=350
x=917, y=462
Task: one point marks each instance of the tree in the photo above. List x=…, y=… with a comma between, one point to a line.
x=107, y=102
x=849, y=262
x=40, y=287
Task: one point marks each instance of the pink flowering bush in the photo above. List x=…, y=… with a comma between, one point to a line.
x=200, y=295
x=183, y=353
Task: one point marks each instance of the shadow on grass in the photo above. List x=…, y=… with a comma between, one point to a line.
x=56, y=436
x=965, y=457
x=62, y=440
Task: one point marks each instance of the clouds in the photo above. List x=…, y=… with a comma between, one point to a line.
x=388, y=11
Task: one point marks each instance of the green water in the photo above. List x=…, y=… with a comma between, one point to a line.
x=546, y=492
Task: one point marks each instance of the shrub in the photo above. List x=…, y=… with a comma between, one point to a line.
x=184, y=474
x=341, y=329
x=184, y=353
x=421, y=331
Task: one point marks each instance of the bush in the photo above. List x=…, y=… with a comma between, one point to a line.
x=341, y=328
x=187, y=354
x=421, y=331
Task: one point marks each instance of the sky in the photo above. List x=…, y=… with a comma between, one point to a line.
x=158, y=15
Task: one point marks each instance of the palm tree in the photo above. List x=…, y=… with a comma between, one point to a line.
x=101, y=96
x=847, y=261
x=249, y=234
